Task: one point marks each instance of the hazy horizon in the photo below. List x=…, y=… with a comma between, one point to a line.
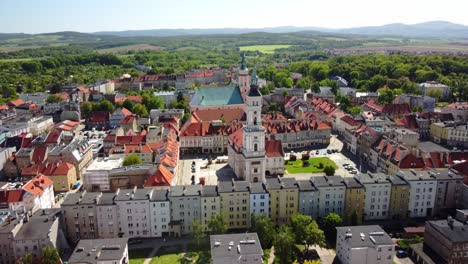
x=89, y=16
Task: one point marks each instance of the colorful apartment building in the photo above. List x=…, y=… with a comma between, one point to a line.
x=354, y=200
x=235, y=204
x=284, y=197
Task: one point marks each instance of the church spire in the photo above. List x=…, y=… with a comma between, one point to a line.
x=254, y=77
x=244, y=63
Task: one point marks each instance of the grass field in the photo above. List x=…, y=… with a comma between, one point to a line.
x=168, y=255
x=296, y=166
x=138, y=256
x=266, y=49
x=124, y=49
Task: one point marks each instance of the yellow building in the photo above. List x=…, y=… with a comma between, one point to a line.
x=399, y=198
x=235, y=203
x=354, y=200
x=210, y=204
x=439, y=132
x=63, y=174
x=284, y=198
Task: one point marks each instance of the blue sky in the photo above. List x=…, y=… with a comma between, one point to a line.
x=38, y=16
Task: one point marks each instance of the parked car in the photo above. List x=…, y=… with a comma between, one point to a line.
x=329, y=151
x=345, y=164
x=402, y=254
x=317, y=152
x=353, y=172
x=193, y=170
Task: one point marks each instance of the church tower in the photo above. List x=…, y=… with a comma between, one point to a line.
x=244, y=78
x=254, y=134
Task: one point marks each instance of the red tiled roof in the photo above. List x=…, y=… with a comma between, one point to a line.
x=459, y=105
x=128, y=120
x=98, y=117
x=39, y=154
x=410, y=162
x=83, y=89
x=126, y=112
x=273, y=148
x=396, y=109
x=135, y=98
x=61, y=168
x=16, y=102
x=373, y=106
x=4, y=107
x=350, y=121
x=227, y=115
x=122, y=140
x=37, y=185
x=11, y=196
x=144, y=148
x=53, y=136
x=162, y=177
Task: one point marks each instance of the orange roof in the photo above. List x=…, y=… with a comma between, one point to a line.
x=125, y=111
x=11, y=196
x=4, y=107
x=237, y=138
x=227, y=115
x=38, y=184
x=83, y=89
x=135, y=98
x=138, y=149
x=17, y=102
x=128, y=120
x=53, y=136
x=162, y=177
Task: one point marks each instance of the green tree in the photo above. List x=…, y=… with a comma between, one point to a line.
x=54, y=98
x=330, y=222
x=154, y=103
x=356, y=110
x=274, y=107
x=434, y=93
x=106, y=106
x=217, y=224
x=284, y=244
x=26, y=259
x=329, y=171
x=129, y=104
x=385, y=96
x=315, y=235
x=140, y=109
x=299, y=223
x=132, y=159
x=86, y=108
x=265, y=229
x=50, y=255
x=198, y=232
x=180, y=97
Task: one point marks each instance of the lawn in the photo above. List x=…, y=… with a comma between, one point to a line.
x=168, y=255
x=267, y=49
x=296, y=166
x=138, y=256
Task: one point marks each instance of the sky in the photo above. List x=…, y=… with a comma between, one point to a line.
x=41, y=16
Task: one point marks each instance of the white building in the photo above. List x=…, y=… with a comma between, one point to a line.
x=185, y=207
x=96, y=176
x=133, y=212
x=160, y=213
x=423, y=188
x=364, y=244
x=40, y=125
x=259, y=199
x=107, y=218
x=377, y=197
x=308, y=198
x=331, y=195
x=432, y=85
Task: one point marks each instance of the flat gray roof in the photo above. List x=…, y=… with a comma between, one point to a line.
x=327, y=181
x=97, y=250
x=228, y=248
x=39, y=225
x=187, y=190
x=457, y=233
x=80, y=198
x=132, y=194
x=373, y=235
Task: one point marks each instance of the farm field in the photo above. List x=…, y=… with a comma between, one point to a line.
x=266, y=49
x=296, y=166
x=125, y=49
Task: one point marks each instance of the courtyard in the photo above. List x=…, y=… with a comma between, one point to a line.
x=313, y=165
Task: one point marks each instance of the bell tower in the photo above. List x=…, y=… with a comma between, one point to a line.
x=244, y=78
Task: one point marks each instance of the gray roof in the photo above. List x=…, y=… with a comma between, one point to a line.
x=395, y=180
x=374, y=236
x=159, y=195
x=445, y=174
x=413, y=175
x=327, y=181
x=133, y=194
x=106, y=199
x=352, y=183
x=187, y=190
x=233, y=186
x=257, y=187
x=81, y=198
x=97, y=250
x=280, y=183
x=39, y=225
x=241, y=245
x=306, y=185
x=428, y=146
x=457, y=233
x=209, y=191
x=372, y=178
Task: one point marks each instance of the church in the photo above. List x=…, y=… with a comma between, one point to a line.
x=250, y=155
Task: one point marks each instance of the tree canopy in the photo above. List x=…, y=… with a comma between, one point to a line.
x=132, y=159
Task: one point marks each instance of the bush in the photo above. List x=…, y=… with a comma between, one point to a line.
x=329, y=170
x=305, y=157
x=292, y=158
x=305, y=163
x=320, y=165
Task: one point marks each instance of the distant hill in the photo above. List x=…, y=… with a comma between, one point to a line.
x=431, y=29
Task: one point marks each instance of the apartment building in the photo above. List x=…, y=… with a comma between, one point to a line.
x=133, y=211
x=107, y=217
x=308, y=203
x=79, y=211
x=377, y=197
x=354, y=200
x=259, y=199
x=450, y=133
x=235, y=204
x=96, y=176
x=423, y=189
x=100, y=251
x=160, y=213
x=209, y=203
x=449, y=191
x=332, y=193
x=284, y=197
x=399, y=198
x=364, y=244
x=185, y=207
